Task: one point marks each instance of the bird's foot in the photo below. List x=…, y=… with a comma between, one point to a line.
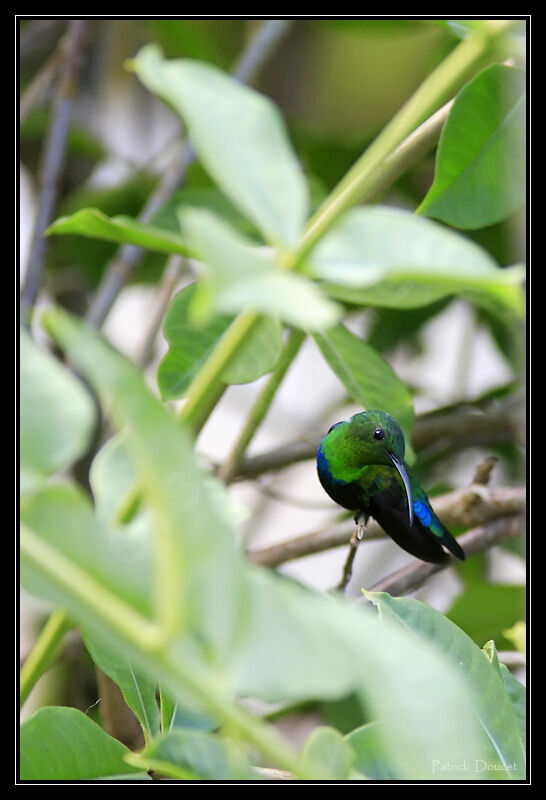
x=361, y=519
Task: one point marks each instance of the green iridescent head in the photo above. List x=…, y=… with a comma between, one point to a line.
x=370, y=437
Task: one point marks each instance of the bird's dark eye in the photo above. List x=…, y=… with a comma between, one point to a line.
x=378, y=434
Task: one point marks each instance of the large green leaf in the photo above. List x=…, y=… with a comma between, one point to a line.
x=62, y=744
x=190, y=347
x=493, y=707
x=480, y=162
x=368, y=378
x=138, y=690
x=125, y=230
x=240, y=138
x=388, y=257
x=239, y=275
x=57, y=413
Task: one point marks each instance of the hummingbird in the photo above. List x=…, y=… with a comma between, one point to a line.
x=360, y=464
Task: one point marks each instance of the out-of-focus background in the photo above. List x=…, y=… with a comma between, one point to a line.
x=337, y=83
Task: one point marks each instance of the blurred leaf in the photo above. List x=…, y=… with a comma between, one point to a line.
x=370, y=753
x=493, y=707
x=127, y=198
x=239, y=136
x=124, y=230
x=138, y=691
x=387, y=257
x=517, y=634
x=327, y=747
x=194, y=755
x=240, y=276
x=480, y=161
x=368, y=378
x=483, y=610
x=57, y=413
x=190, y=347
x=62, y=744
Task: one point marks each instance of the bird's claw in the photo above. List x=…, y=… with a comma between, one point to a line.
x=361, y=520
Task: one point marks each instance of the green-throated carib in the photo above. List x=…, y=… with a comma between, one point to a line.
x=361, y=466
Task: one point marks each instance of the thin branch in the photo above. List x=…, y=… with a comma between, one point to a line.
x=229, y=469
x=121, y=269
x=53, y=159
x=478, y=540
x=467, y=507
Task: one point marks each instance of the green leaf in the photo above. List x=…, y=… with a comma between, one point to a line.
x=514, y=689
x=240, y=138
x=62, y=744
x=139, y=692
x=370, y=753
x=492, y=705
x=194, y=755
x=480, y=163
x=241, y=276
x=483, y=610
x=121, y=229
x=190, y=347
x=327, y=747
x=57, y=413
x=388, y=257
x=368, y=378
x=517, y=694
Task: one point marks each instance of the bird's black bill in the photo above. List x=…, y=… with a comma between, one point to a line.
x=407, y=486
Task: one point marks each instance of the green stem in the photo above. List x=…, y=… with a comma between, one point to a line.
x=260, y=408
x=205, y=384
x=45, y=649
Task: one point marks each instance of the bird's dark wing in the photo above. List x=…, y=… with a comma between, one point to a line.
x=390, y=510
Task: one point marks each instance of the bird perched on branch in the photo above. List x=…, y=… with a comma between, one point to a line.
x=360, y=464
